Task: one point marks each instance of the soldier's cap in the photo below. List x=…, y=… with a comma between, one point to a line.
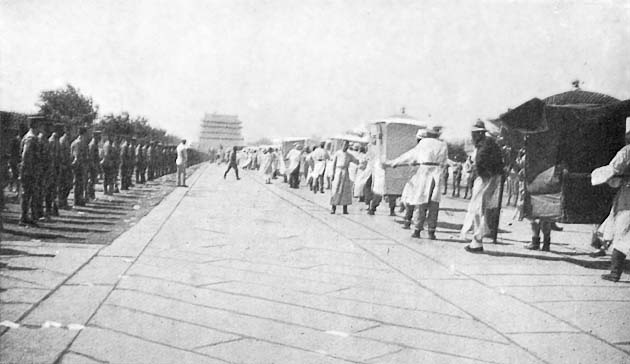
x=97, y=132
x=133, y=138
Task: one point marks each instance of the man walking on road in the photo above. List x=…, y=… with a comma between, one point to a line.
x=232, y=164
x=181, y=161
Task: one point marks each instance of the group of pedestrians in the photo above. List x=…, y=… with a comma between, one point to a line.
x=46, y=165
x=350, y=173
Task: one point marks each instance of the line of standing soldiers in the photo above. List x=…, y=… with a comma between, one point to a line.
x=51, y=166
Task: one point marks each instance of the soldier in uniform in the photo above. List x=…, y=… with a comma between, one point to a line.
x=65, y=169
x=150, y=158
x=140, y=164
x=79, y=150
x=116, y=159
x=93, y=164
x=107, y=165
x=52, y=188
x=43, y=172
x=124, y=165
x=29, y=151
x=131, y=156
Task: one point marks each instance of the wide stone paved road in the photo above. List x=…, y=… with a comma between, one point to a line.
x=242, y=272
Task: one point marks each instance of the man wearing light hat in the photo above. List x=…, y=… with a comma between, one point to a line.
x=617, y=225
x=485, y=195
x=423, y=189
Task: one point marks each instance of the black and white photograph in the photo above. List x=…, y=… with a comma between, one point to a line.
x=315, y=181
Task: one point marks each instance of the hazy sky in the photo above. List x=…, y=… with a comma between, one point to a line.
x=311, y=67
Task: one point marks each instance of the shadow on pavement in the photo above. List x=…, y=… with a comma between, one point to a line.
x=589, y=264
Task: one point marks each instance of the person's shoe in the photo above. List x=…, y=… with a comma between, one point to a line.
x=617, y=261
x=345, y=210
x=184, y=185
x=407, y=225
x=416, y=234
x=26, y=222
x=555, y=227
x=469, y=249
x=534, y=245
x=370, y=212
x=546, y=244
x=432, y=235
x=597, y=254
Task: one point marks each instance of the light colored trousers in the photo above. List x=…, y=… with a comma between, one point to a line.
x=181, y=174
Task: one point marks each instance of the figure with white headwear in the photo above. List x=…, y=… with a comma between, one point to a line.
x=616, y=228
x=422, y=192
x=488, y=167
x=341, y=183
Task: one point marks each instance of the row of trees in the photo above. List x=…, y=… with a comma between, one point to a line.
x=73, y=109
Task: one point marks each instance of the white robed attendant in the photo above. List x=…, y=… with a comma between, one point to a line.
x=341, y=184
x=423, y=188
x=293, y=160
x=430, y=155
x=266, y=165
x=360, y=178
x=616, y=227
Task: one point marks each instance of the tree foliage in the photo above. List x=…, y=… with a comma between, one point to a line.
x=68, y=106
x=124, y=125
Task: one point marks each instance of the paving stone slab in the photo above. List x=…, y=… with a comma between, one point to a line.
x=540, y=294
x=25, y=345
x=502, y=312
x=114, y=347
x=572, y=348
x=413, y=356
x=346, y=347
x=83, y=301
x=258, y=352
x=101, y=270
x=608, y=320
x=13, y=311
x=157, y=328
x=456, y=346
x=293, y=314
x=22, y=295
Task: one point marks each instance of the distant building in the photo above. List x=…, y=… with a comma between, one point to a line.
x=220, y=130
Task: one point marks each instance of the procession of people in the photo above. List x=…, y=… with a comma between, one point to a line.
x=488, y=172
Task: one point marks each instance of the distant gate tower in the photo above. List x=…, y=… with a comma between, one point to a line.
x=220, y=130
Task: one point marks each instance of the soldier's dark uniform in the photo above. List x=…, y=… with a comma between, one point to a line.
x=79, y=149
x=150, y=158
x=28, y=175
x=140, y=164
x=42, y=174
x=124, y=165
x=93, y=165
x=131, y=156
x=52, y=186
x=116, y=159
x=108, y=164
x=65, y=170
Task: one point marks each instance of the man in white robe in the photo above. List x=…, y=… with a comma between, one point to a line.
x=488, y=166
x=319, y=157
x=341, y=184
x=617, y=225
x=423, y=189
x=294, y=158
